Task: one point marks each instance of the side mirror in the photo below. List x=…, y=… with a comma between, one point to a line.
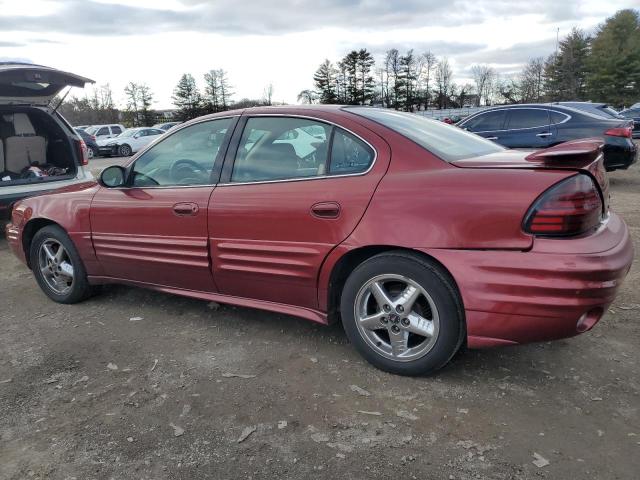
x=136, y=136
x=113, y=176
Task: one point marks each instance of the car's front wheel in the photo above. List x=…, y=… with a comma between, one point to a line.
x=124, y=150
x=57, y=266
x=402, y=312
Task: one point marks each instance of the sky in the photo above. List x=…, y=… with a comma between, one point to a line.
x=278, y=42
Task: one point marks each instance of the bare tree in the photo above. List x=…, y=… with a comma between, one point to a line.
x=267, y=94
x=483, y=76
x=427, y=63
x=307, y=96
x=532, y=80
x=443, y=79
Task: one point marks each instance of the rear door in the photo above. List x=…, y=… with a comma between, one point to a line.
x=292, y=188
x=528, y=128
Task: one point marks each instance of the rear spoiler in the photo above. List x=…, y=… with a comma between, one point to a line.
x=582, y=151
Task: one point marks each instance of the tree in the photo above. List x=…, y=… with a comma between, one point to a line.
x=392, y=68
x=614, y=62
x=443, y=79
x=408, y=77
x=217, y=91
x=325, y=82
x=483, y=76
x=145, y=99
x=566, y=72
x=187, y=98
x=226, y=91
x=532, y=80
x=366, y=82
x=427, y=63
x=307, y=96
x=131, y=94
x=267, y=94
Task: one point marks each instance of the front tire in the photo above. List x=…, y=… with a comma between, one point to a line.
x=57, y=266
x=403, y=314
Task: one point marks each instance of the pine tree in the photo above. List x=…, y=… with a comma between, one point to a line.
x=366, y=82
x=566, y=72
x=325, y=82
x=614, y=63
x=187, y=98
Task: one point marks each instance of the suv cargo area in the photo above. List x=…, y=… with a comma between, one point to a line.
x=34, y=147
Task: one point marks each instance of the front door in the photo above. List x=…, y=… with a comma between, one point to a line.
x=528, y=128
x=292, y=189
x=154, y=230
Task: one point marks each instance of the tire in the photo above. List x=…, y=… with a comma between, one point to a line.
x=428, y=332
x=92, y=153
x=53, y=275
x=124, y=150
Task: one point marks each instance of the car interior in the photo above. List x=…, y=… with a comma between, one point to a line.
x=33, y=148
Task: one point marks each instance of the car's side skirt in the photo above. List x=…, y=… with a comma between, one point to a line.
x=306, y=313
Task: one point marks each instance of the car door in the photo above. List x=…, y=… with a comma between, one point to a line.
x=277, y=212
x=528, y=128
x=489, y=124
x=154, y=230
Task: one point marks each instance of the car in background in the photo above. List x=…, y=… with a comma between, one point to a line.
x=90, y=142
x=105, y=131
x=420, y=237
x=633, y=113
x=39, y=150
x=166, y=126
x=600, y=109
x=546, y=125
x=128, y=142
x=82, y=127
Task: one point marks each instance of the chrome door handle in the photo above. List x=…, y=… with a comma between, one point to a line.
x=544, y=134
x=491, y=138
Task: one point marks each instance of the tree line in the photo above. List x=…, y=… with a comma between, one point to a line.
x=602, y=67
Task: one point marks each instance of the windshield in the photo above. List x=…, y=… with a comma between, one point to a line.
x=446, y=141
x=129, y=133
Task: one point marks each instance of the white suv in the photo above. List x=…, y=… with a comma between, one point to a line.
x=39, y=150
x=102, y=132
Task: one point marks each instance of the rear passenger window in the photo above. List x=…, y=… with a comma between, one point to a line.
x=486, y=122
x=116, y=130
x=279, y=148
x=557, y=117
x=527, y=118
x=103, y=131
x=349, y=154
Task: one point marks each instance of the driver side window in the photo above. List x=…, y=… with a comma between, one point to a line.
x=184, y=158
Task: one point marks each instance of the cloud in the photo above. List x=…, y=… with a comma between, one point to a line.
x=90, y=17
x=5, y=44
x=516, y=54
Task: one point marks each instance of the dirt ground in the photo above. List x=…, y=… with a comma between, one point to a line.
x=135, y=384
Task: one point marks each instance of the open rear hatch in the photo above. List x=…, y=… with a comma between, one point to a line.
x=579, y=155
x=28, y=84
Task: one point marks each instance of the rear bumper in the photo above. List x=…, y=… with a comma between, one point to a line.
x=557, y=289
x=619, y=153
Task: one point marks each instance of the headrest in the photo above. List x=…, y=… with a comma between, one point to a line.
x=22, y=125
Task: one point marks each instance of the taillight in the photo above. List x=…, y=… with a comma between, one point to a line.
x=620, y=132
x=570, y=207
x=93, y=137
x=82, y=151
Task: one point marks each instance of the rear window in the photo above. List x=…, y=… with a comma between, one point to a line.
x=527, y=118
x=448, y=142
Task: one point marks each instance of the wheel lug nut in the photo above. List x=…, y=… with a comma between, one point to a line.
x=405, y=322
x=384, y=319
x=395, y=329
x=400, y=309
x=387, y=308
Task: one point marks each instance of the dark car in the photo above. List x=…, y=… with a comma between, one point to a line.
x=600, y=109
x=633, y=113
x=546, y=125
x=420, y=237
x=166, y=126
x=90, y=142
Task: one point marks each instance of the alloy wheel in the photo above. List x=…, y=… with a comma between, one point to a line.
x=396, y=317
x=56, y=266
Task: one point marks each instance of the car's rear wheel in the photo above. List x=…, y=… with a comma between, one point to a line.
x=92, y=152
x=124, y=150
x=402, y=313
x=57, y=266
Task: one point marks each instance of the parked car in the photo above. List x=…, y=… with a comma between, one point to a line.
x=129, y=141
x=600, y=109
x=39, y=150
x=166, y=126
x=419, y=236
x=633, y=114
x=102, y=132
x=82, y=127
x=90, y=142
x=545, y=125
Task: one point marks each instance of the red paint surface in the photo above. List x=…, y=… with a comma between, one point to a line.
x=262, y=245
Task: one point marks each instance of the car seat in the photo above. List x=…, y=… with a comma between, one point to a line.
x=24, y=148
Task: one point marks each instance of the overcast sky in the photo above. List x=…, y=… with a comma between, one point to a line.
x=281, y=41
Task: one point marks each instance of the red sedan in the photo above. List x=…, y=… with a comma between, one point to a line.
x=419, y=236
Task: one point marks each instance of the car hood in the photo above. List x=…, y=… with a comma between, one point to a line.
x=28, y=84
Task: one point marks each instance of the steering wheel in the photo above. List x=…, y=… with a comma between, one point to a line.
x=185, y=170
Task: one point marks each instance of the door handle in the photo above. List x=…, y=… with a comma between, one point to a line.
x=326, y=210
x=491, y=138
x=185, y=209
x=544, y=134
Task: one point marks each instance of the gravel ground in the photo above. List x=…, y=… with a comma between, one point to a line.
x=139, y=384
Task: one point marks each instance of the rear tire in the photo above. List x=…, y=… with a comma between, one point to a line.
x=124, y=150
x=403, y=313
x=57, y=266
